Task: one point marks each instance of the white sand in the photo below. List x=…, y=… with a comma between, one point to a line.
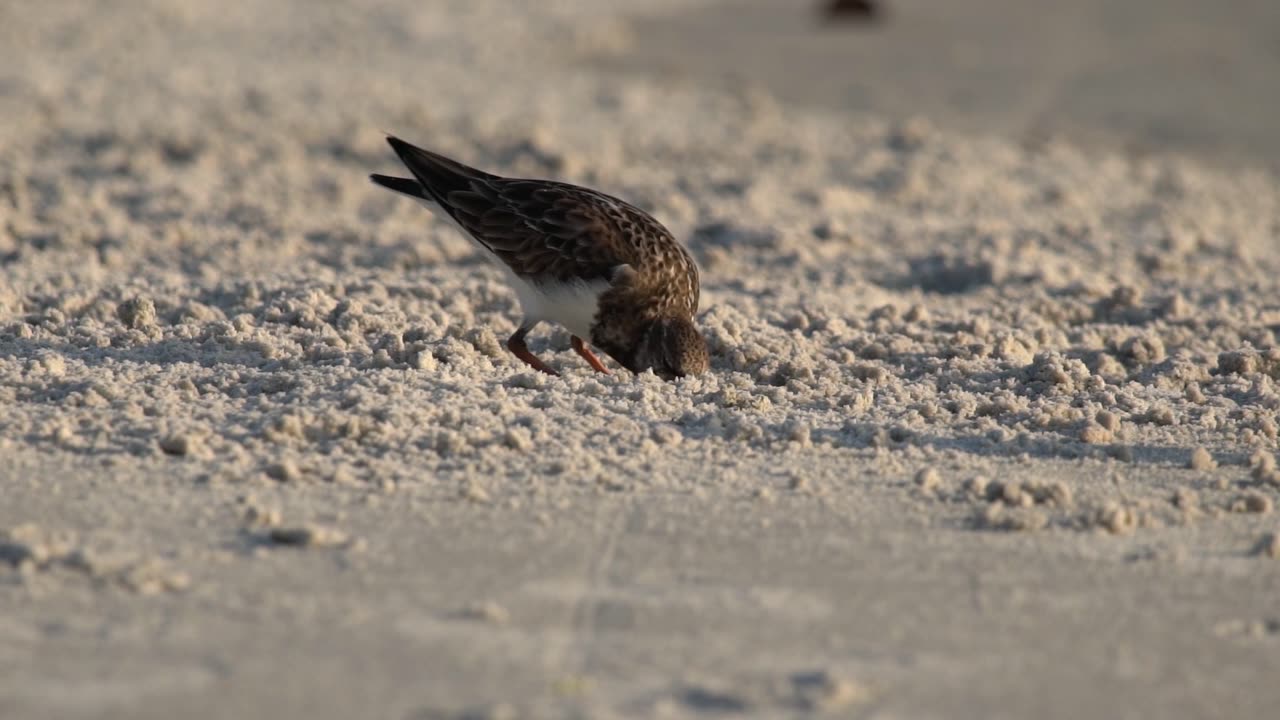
x=989, y=432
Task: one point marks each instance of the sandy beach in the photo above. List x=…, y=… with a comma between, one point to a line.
x=990, y=430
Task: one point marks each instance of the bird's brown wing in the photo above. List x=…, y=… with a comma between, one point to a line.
x=544, y=231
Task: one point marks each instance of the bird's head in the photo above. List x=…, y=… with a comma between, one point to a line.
x=672, y=347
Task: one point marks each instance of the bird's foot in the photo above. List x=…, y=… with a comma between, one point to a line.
x=581, y=348
x=518, y=348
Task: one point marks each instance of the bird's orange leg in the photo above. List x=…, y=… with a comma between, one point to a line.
x=518, y=348
x=581, y=348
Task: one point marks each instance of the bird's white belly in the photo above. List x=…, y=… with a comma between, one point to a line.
x=572, y=305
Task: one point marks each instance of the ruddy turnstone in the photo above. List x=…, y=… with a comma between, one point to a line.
x=602, y=268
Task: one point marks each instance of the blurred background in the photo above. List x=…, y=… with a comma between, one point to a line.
x=1142, y=76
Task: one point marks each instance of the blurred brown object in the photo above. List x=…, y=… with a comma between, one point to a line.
x=851, y=11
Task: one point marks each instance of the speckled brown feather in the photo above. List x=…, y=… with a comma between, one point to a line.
x=553, y=232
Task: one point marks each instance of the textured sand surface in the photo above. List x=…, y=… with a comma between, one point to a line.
x=990, y=430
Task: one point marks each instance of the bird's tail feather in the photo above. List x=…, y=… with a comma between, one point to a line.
x=437, y=174
x=404, y=186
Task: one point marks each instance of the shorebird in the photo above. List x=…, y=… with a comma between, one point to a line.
x=604, y=269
